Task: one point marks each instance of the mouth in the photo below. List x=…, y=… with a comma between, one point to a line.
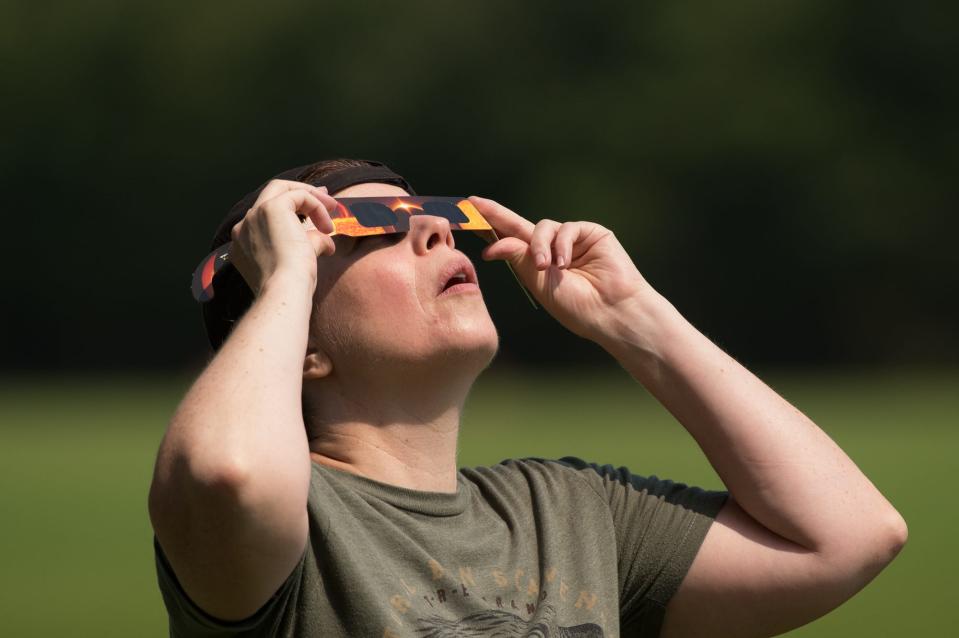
x=458, y=276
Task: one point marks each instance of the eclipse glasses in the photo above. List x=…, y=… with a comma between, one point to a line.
x=363, y=216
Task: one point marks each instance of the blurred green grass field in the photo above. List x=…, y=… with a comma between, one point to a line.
x=76, y=458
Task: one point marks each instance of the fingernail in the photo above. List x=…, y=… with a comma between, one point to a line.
x=560, y=262
x=540, y=260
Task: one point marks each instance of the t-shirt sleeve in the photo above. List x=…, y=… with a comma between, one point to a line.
x=187, y=620
x=659, y=526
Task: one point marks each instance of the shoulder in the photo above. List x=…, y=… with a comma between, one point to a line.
x=569, y=469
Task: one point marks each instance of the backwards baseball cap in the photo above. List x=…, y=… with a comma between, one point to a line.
x=233, y=297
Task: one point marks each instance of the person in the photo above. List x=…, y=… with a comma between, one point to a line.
x=307, y=483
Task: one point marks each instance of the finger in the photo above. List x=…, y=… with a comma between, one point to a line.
x=305, y=203
x=320, y=217
x=323, y=219
x=511, y=249
x=541, y=242
x=321, y=193
x=567, y=235
x=329, y=203
x=517, y=254
x=279, y=186
x=503, y=220
x=322, y=243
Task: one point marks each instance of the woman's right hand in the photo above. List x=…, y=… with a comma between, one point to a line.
x=284, y=232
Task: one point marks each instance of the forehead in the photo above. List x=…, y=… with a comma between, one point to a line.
x=370, y=189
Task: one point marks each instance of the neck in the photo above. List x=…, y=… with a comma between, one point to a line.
x=403, y=435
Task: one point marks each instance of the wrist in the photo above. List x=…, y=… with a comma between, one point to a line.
x=639, y=332
x=289, y=282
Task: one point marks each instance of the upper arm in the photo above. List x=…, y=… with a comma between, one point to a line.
x=748, y=581
x=230, y=550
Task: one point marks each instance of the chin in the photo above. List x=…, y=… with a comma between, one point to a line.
x=479, y=344
x=486, y=351
x=470, y=349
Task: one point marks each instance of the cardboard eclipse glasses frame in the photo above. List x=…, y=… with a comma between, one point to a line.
x=364, y=216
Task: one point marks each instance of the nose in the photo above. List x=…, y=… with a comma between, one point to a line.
x=429, y=231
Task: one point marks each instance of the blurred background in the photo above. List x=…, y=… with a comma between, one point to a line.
x=784, y=173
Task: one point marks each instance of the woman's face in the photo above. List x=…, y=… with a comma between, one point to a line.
x=380, y=305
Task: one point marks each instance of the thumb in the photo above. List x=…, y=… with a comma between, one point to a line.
x=322, y=243
x=511, y=249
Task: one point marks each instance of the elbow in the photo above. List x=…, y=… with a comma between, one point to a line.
x=222, y=480
x=232, y=482
x=221, y=476
x=885, y=541
x=186, y=479
x=897, y=534
x=194, y=491
x=877, y=550
x=860, y=556
x=888, y=540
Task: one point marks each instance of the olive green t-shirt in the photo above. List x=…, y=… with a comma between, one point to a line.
x=526, y=547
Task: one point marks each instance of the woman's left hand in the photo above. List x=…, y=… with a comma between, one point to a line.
x=578, y=271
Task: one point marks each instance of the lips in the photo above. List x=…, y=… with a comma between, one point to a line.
x=458, y=273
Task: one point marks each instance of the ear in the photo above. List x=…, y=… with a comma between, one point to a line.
x=317, y=363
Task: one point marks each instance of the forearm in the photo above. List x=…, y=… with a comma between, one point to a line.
x=240, y=426
x=776, y=463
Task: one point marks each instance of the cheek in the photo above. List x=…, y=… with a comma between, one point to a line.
x=377, y=286
x=369, y=307
x=384, y=291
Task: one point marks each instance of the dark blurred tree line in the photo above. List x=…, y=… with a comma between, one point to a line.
x=783, y=172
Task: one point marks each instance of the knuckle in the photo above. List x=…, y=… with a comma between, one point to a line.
x=270, y=190
x=285, y=183
x=273, y=207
